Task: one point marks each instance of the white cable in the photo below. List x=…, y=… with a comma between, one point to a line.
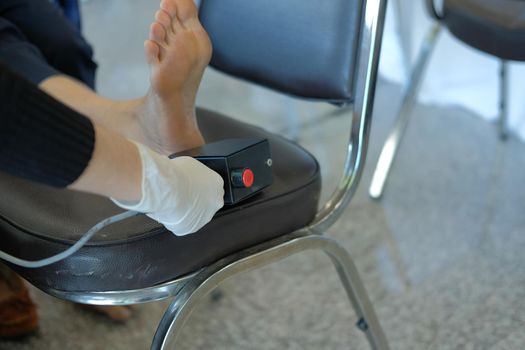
x=71, y=250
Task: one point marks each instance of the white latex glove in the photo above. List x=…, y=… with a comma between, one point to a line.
x=181, y=193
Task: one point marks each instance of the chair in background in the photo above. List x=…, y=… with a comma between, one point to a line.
x=299, y=47
x=496, y=27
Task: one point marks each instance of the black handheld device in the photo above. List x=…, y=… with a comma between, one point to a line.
x=245, y=165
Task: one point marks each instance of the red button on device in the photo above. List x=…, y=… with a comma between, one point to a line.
x=247, y=177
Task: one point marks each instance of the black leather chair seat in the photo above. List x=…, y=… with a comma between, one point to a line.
x=37, y=221
x=496, y=27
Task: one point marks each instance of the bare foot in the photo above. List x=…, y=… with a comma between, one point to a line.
x=115, y=313
x=178, y=51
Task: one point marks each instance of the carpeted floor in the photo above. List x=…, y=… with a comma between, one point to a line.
x=441, y=254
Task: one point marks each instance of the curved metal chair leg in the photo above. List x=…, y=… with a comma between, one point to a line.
x=367, y=319
x=180, y=309
x=175, y=317
x=503, y=101
x=393, y=141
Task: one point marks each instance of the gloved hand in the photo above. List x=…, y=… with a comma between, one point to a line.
x=181, y=193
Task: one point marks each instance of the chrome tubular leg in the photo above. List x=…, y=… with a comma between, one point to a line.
x=503, y=100
x=404, y=31
x=391, y=145
x=175, y=317
x=205, y=282
x=367, y=319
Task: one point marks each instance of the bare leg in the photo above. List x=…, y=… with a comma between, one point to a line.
x=178, y=52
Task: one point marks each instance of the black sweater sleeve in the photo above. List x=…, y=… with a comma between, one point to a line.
x=40, y=138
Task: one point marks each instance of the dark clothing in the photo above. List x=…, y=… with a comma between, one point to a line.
x=40, y=138
x=22, y=56
x=38, y=41
x=71, y=10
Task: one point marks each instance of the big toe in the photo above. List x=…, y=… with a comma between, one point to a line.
x=186, y=10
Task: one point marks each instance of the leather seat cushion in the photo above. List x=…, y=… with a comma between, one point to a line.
x=37, y=221
x=496, y=27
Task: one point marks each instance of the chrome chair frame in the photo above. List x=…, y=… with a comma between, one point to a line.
x=188, y=290
x=394, y=139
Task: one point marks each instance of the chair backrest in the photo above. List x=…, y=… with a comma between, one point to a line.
x=305, y=48
x=318, y=50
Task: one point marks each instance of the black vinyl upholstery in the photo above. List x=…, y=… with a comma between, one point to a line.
x=496, y=27
x=37, y=221
x=301, y=47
